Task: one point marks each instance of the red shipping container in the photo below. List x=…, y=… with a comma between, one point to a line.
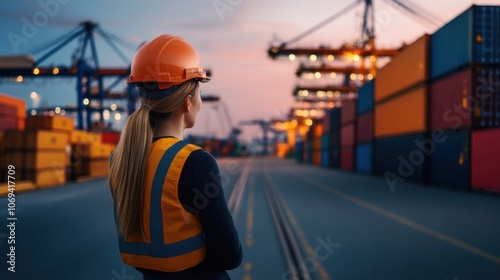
x=364, y=128
x=347, y=133
x=326, y=122
x=348, y=112
x=110, y=137
x=467, y=98
x=485, y=164
x=347, y=159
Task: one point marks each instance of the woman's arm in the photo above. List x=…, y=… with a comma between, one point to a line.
x=201, y=193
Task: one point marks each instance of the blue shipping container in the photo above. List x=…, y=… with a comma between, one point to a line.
x=334, y=157
x=365, y=98
x=470, y=38
x=449, y=164
x=325, y=157
x=299, y=152
x=309, y=151
x=399, y=159
x=364, y=155
x=335, y=118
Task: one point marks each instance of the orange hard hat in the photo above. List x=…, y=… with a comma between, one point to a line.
x=167, y=60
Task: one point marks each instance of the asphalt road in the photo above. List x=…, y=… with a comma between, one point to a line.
x=348, y=226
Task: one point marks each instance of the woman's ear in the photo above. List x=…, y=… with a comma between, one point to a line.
x=188, y=103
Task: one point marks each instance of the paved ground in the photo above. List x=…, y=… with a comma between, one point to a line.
x=348, y=226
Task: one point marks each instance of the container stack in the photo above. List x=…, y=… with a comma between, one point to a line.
x=12, y=113
x=334, y=138
x=364, y=129
x=89, y=156
x=347, y=134
x=465, y=100
x=400, y=112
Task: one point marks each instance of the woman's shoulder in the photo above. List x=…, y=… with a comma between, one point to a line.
x=200, y=157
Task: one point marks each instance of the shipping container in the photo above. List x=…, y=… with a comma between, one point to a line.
x=449, y=160
x=469, y=98
x=485, y=163
x=309, y=151
x=399, y=159
x=334, y=138
x=347, y=159
x=403, y=114
x=364, y=156
x=91, y=168
x=36, y=159
x=20, y=106
x=335, y=116
x=334, y=157
x=111, y=137
x=406, y=70
x=364, y=128
x=56, y=123
x=469, y=39
x=326, y=121
x=48, y=177
x=348, y=111
x=317, y=130
x=40, y=139
x=16, y=61
x=325, y=157
x=347, y=135
x=299, y=152
x=365, y=98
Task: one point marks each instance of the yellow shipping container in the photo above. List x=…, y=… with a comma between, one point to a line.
x=58, y=123
x=403, y=114
x=46, y=177
x=95, y=137
x=407, y=69
x=36, y=159
x=45, y=139
x=79, y=137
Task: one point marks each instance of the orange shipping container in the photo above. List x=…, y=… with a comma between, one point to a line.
x=40, y=139
x=59, y=123
x=48, y=177
x=403, y=114
x=407, y=69
x=20, y=104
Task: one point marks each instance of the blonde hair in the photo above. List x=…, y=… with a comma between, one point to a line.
x=130, y=158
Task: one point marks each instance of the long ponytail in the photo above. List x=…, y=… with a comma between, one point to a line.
x=130, y=158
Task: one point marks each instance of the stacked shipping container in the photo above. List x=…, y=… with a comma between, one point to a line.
x=364, y=129
x=465, y=97
x=401, y=111
x=433, y=112
x=347, y=134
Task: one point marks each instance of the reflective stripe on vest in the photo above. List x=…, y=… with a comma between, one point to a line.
x=150, y=254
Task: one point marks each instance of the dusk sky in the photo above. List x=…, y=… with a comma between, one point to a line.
x=232, y=43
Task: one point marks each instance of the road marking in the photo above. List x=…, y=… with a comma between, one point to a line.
x=404, y=221
x=248, y=268
x=249, y=234
x=302, y=237
x=239, y=189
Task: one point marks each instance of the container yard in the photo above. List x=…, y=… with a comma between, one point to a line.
x=364, y=146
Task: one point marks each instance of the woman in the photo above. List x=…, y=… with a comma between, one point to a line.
x=172, y=218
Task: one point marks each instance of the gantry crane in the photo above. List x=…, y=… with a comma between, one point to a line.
x=86, y=68
x=266, y=127
x=224, y=119
x=359, y=51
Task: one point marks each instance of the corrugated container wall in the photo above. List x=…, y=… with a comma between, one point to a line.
x=403, y=114
x=335, y=118
x=364, y=156
x=398, y=158
x=470, y=38
x=347, y=135
x=407, y=69
x=348, y=112
x=449, y=162
x=365, y=98
x=347, y=159
x=485, y=148
x=364, y=128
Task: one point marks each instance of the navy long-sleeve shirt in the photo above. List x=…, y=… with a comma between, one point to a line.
x=200, y=192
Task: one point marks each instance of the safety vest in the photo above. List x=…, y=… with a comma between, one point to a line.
x=173, y=238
